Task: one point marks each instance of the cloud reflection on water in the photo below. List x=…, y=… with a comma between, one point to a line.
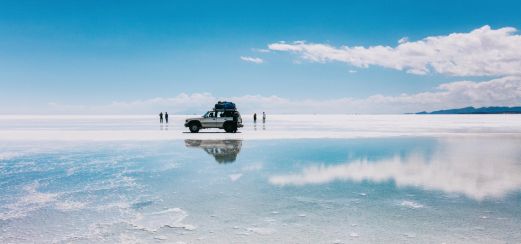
x=478, y=168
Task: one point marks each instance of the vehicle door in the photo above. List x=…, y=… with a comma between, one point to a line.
x=208, y=120
x=220, y=119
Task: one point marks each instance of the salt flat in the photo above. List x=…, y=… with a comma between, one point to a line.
x=341, y=179
x=147, y=127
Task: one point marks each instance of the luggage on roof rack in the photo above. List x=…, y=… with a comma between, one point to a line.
x=224, y=106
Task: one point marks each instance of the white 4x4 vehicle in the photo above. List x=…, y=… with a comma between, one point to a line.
x=227, y=119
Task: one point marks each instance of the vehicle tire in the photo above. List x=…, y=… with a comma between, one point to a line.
x=230, y=127
x=194, y=127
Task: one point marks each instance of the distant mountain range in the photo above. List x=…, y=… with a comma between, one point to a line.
x=472, y=110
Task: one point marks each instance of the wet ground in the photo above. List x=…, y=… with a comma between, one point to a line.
x=435, y=189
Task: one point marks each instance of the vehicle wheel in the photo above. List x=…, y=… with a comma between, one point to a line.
x=230, y=127
x=194, y=128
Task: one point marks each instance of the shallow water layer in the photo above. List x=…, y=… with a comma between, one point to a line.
x=400, y=189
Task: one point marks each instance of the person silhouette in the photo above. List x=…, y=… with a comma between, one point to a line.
x=161, y=117
x=166, y=117
x=263, y=117
x=255, y=117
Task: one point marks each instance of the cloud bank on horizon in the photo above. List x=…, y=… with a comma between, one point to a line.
x=505, y=91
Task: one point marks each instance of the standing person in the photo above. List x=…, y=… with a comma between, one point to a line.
x=161, y=117
x=263, y=117
x=166, y=117
x=255, y=118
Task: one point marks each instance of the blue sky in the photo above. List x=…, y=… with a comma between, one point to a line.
x=92, y=53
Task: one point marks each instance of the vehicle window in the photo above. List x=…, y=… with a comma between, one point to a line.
x=208, y=114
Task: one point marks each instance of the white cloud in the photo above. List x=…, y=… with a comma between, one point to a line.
x=261, y=50
x=481, y=52
x=456, y=167
x=252, y=59
x=504, y=91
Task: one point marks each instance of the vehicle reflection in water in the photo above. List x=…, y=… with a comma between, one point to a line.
x=224, y=151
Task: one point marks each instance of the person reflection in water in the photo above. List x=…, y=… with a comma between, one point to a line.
x=166, y=117
x=161, y=117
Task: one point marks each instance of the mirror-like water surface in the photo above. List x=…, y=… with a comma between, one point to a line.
x=459, y=189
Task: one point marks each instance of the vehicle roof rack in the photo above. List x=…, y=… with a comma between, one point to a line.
x=224, y=109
